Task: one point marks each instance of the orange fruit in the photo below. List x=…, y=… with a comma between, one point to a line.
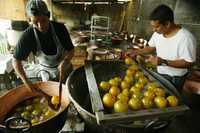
x=138, y=74
x=108, y=100
x=125, y=85
x=160, y=102
x=25, y=114
x=122, y=97
x=135, y=104
x=34, y=121
x=55, y=100
x=143, y=80
x=149, y=94
x=114, y=90
x=36, y=112
x=113, y=82
x=126, y=92
x=120, y=106
x=29, y=107
x=147, y=103
x=137, y=95
x=118, y=79
x=48, y=114
x=152, y=86
x=172, y=101
x=128, y=61
x=130, y=72
x=104, y=85
x=133, y=67
x=135, y=90
x=139, y=85
x=128, y=79
x=160, y=92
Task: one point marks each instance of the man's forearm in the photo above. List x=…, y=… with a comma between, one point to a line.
x=19, y=70
x=146, y=50
x=179, y=63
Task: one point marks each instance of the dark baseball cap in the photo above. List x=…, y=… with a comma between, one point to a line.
x=37, y=8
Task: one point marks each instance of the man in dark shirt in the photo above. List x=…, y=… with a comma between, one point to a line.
x=48, y=41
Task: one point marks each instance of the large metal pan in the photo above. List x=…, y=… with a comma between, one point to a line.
x=19, y=94
x=104, y=70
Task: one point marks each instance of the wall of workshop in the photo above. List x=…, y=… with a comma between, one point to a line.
x=12, y=9
x=186, y=13
x=74, y=15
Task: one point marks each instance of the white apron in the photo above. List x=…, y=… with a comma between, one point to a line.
x=47, y=67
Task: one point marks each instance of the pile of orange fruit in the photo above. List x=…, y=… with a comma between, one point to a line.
x=134, y=91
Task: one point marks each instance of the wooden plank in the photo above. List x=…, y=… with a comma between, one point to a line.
x=93, y=88
x=99, y=116
x=142, y=115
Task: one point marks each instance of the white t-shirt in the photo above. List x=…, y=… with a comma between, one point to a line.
x=180, y=46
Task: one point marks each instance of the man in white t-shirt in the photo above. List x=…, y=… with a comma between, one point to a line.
x=175, y=46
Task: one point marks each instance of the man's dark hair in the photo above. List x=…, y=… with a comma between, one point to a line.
x=162, y=13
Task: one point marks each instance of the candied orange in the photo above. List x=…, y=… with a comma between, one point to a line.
x=104, y=85
x=172, y=101
x=114, y=90
x=160, y=102
x=120, y=106
x=108, y=100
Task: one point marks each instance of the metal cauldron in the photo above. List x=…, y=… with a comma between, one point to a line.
x=19, y=94
x=79, y=95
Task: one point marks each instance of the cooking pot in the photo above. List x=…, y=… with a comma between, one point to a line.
x=19, y=94
x=79, y=95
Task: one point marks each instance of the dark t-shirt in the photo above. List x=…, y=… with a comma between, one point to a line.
x=27, y=42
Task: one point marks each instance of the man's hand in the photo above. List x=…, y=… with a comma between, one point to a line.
x=153, y=60
x=131, y=53
x=31, y=87
x=18, y=67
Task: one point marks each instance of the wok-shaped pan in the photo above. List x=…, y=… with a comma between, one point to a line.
x=19, y=94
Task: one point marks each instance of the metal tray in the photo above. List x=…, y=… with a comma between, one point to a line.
x=97, y=71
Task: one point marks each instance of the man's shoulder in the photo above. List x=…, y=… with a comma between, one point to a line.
x=186, y=37
x=156, y=35
x=57, y=24
x=59, y=27
x=185, y=32
x=27, y=34
x=28, y=30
